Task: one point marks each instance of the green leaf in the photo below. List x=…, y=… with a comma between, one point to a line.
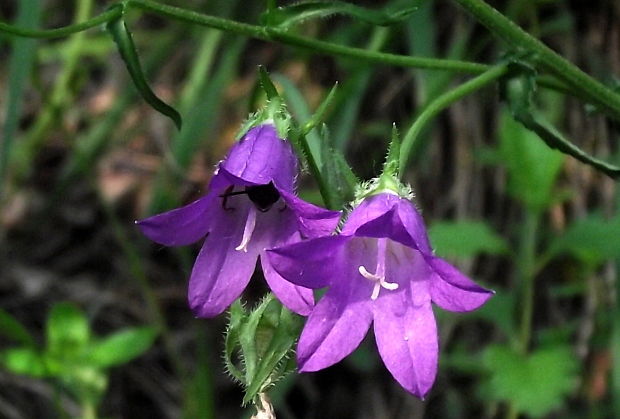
x=126, y=47
x=465, y=239
x=499, y=311
x=537, y=383
x=121, y=347
x=532, y=167
x=520, y=91
x=285, y=17
x=536, y=122
x=67, y=330
x=24, y=361
x=593, y=240
x=13, y=329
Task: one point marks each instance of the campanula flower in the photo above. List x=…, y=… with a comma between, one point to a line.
x=250, y=207
x=379, y=269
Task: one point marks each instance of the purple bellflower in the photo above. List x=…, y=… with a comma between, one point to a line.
x=379, y=268
x=250, y=207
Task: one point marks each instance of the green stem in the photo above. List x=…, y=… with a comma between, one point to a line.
x=255, y=31
x=526, y=265
x=526, y=262
x=584, y=85
x=104, y=17
x=442, y=102
x=271, y=34
x=274, y=34
x=89, y=410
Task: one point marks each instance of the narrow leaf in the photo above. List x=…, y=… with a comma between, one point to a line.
x=536, y=122
x=24, y=361
x=519, y=92
x=121, y=347
x=126, y=47
x=285, y=17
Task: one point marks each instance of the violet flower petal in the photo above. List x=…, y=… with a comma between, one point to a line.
x=278, y=227
x=414, y=224
x=297, y=299
x=369, y=209
x=310, y=263
x=387, y=225
x=312, y=221
x=453, y=291
x=406, y=335
x=336, y=326
x=221, y=272
x=388, y=215
x=261, y=157
x=180, y=226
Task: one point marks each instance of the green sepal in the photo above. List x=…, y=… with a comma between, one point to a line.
x=390, y=167
x=518, y=91
x=259, y=345
x=267, y=84
x=338, y=174
x=388, y=181
x=126, y=47
x=286, y=17
x=321, y=112
x=274, y=111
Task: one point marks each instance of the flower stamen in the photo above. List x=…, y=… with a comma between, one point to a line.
x=250, y=223
x=379, y=276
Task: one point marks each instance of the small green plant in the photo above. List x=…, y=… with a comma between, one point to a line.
x=72, y=356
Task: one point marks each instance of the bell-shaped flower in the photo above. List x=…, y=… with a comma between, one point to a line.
x=250, y=207
x=379, y=269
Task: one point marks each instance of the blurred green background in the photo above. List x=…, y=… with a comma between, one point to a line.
x=94, y=320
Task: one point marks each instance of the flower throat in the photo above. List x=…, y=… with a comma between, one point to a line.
x=262, y=196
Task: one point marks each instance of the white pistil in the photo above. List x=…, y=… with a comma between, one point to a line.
x=250, y=223
x=379, y=276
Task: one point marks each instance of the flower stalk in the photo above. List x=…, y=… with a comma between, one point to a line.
x=410, y=144
x=587, y=87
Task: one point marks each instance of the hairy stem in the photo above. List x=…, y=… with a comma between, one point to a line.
x=442, y=102
x=547, y=59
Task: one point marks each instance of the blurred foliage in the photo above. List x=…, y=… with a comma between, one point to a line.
x=71, y=355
